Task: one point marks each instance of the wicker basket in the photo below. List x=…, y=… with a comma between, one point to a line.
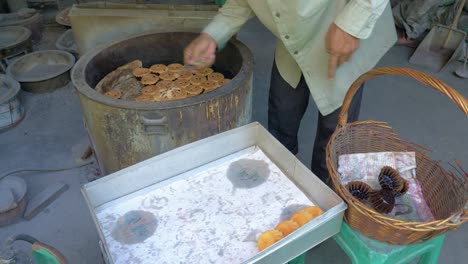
x=446, y=193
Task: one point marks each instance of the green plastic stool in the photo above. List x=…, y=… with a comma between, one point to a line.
x=298, y=260
x=362, y=249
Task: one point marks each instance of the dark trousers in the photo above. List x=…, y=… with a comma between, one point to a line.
x=286, y=107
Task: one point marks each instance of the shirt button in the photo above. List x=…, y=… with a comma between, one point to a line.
x=286, y=37
x=277, y=14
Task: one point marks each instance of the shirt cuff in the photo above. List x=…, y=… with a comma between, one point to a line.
x=357, y=20
x=217, y=30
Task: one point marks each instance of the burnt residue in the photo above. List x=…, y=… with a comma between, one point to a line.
x=154, y=202
x=134, y=227
x=248, y=173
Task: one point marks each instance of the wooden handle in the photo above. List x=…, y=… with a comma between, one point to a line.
x=61, y=258
x=422, y=77
x=454, y=23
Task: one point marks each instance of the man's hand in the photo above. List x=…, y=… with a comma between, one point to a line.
x=340, y=45
x=200, y=52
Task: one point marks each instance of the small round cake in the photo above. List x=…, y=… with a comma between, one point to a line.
x=268, y=238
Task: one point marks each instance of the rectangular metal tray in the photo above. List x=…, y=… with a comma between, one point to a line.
x=123, y=185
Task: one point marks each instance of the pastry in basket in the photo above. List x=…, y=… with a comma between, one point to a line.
x=404, y=189
x=204, y=71
x=268, y=238
x=149, y=79
x=359, y=189
x=287, y=227
x=158, y=68
x=302, y=217
x=383, y=200
x=168, y=76
x=175, y=67
x=389, y=178
x=139, y=72
x=197, y=79
x=116, y=94
x=314, y=211
x=215, y=76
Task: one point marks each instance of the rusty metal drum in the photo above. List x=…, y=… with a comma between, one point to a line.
x=123, y=133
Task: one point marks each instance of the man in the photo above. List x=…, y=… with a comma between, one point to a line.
x=322, y=47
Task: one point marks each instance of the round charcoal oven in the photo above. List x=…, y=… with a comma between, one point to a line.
x=126, y=132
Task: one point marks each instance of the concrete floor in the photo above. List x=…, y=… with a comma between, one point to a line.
x=52, y=134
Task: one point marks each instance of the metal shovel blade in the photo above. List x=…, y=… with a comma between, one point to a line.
x=432, y=54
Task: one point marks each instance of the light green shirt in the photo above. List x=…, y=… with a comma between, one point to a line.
x=301, y=26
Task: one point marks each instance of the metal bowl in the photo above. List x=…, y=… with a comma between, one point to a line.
x=42, y=71
x=67, y=42
x=62, y=17
x=13, y=36
x=25, y=17
x=19, y=189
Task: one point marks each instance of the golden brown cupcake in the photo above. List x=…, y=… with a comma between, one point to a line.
x=150, y=90
x=215, y=76
x=193, y=90
x=175, y=67
x=181, y=83
x=223, y=82
x=302, y=217
x=164, y=84
x=268, y=238
x=132, y=65
x=383, y=200
x=359, y=189
x=287, y=227
x=204, y=71
x=389, y=178
x=209, y=85
x=149, y=79
x=158, y=68
x=168, y=76
x=116, y=94
x=314, y=211
x=185, y=75
x=144, y=98
x=139, y=72
x=173, y=93
x=197, y=79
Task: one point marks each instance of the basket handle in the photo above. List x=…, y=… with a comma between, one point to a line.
x=422, y=77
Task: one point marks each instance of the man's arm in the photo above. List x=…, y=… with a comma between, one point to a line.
x=231, y=17
x=358, y=17
x=355, y=22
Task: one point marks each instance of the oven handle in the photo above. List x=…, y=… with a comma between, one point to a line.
x=154, y=125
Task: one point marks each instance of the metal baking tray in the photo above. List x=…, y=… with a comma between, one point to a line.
x=176, y=164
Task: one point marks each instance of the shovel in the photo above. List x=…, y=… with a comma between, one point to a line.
x=441, y=45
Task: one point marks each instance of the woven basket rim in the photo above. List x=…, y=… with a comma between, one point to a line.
x=353, y=202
